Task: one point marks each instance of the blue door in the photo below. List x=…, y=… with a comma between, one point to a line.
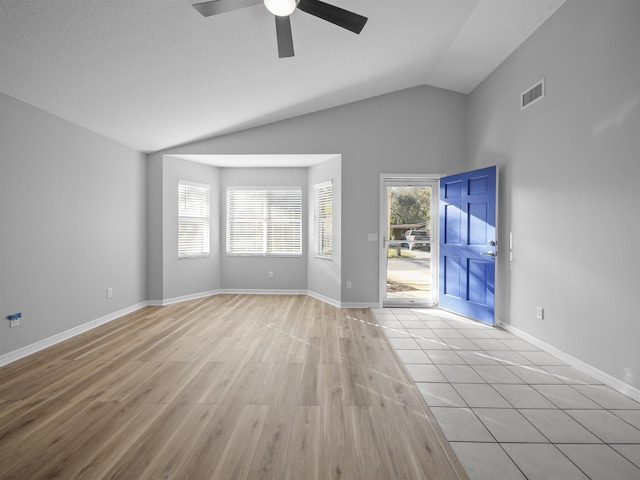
x=468, y=244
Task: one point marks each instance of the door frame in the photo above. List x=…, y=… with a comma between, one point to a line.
x=432, y=180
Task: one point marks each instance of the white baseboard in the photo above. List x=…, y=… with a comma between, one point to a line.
x=226, y=291
x=20, y=353
x=250, y=291
x=322, y=298
x=317, y=296
x=184, y=298
x=605, y=378
x=67, y=334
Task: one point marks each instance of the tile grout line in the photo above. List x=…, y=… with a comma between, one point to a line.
x=522, y=352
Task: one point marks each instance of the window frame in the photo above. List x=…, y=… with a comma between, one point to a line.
x=323, y=223
x=266, y=220
x=192, y=216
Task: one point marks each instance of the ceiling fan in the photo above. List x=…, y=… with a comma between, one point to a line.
x=281, y=9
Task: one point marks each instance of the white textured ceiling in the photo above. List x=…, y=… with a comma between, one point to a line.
x=152, y=74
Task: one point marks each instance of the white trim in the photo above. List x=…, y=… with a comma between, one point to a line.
x=262, y=213
x=66, y=335
x=405, y=179
x=409, y=180
x=605, y=378
x=324, y=299
x=260, y=291
x=243, y=291
x=265, y=187
x=319, y=221
x=320, y=185
x=194, y=184
x=184, y=298
x=186, y=248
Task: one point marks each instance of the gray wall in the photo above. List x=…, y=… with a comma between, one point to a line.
x=419, y=130
x=154, y=253
x=324, y=276
x=188, y=276
x=171, y=278
x=72, y=220
x=252, y=273
x=570, y=166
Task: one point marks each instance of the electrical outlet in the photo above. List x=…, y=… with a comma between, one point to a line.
x=109, y=292
x=348, y=283
x=271, y=275
x=540, y=313
x=14, y=320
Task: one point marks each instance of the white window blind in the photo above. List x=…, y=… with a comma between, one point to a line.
x=323, y=219
x=193, y=220
x=264, y=221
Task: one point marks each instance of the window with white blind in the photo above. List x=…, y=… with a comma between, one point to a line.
x=193, y=220
x=264, y=221
x=323, y=219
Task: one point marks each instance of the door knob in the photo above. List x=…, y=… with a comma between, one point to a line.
x=490, y=254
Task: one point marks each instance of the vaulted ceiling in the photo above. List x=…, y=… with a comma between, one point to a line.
x=152, y=74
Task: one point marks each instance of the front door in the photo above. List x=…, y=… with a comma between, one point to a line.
x=407, y=260
x=467, y=244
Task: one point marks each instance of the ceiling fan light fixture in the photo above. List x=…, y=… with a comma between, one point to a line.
x=281, y=8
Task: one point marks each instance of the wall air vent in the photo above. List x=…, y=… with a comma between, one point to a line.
x=532, y=95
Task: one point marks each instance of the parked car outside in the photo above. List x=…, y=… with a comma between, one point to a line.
x=413, y=236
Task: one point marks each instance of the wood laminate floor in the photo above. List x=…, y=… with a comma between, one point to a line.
x=226, y=387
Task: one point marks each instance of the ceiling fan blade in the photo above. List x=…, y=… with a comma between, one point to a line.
x=336, y=15
x=285, y=39
x=215, y=7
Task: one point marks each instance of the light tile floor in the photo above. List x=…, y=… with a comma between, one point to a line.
x=510, y=410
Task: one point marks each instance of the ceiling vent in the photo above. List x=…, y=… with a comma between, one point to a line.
x=532, y=95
